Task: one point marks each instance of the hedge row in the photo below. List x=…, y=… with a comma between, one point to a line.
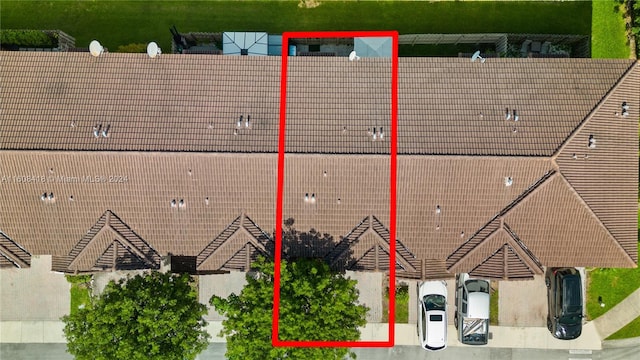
x=27, y=38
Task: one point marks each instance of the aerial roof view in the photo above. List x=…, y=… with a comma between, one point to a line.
x=306, y=179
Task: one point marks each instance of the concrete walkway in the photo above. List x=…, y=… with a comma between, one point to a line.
x=619, y=316
x=405, y=334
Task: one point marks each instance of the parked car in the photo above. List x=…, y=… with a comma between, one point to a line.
x=564, y=296
x=472, y=310
x=432, y=315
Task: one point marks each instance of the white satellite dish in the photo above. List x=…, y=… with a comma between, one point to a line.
x=153, y=50
x=95, y=48
x=476, y=56
x=353, y=56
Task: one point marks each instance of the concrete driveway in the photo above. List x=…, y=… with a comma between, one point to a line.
x=523, y=303
x=35, y=293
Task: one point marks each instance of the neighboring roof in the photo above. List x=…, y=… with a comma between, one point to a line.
x=53, y=101
x=245, y=43
x=457, y=210
x=373, y=46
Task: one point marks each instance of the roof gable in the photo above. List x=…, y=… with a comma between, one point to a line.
x=496, y=255
x=605, y=175
x=110, y=244
x=241, y=241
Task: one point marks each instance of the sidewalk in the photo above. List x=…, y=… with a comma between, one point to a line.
x=405, y=334
x=618, y=316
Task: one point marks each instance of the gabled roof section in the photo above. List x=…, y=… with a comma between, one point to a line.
x=109, y=245
x=499, y=255
x=504, y=263
x=447, y=106
x=605, y=174
x=236, y=247
x=367, y=246
x=570, y=235
x=13, y=254
x=120, y=256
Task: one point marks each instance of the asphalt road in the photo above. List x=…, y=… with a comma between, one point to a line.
x=216, y=352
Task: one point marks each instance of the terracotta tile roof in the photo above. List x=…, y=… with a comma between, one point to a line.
x=456, y=189
x=570, y=230
x=13, y=254
x=241, y=241
x=604, y=175
x=192, y=103
x=109, y=244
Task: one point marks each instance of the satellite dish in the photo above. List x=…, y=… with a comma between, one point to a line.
x=476, y=56
x=353, y=56
x=153, y=50
x=95, y=48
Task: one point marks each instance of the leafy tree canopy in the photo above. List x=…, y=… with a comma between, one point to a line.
x=150, y=316
x=315, y=304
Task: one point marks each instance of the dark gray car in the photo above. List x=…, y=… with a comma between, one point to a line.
x=564, y=297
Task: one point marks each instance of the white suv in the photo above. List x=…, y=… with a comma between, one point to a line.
x=432, y=315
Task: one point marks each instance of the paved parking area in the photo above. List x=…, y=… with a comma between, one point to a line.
x=523, y=303
x=222, y=285
x=34, y=293
x=370, y=287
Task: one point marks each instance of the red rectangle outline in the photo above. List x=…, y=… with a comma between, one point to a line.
x=392, y=206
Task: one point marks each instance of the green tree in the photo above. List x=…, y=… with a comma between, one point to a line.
x=315, y=304
x=150, y=316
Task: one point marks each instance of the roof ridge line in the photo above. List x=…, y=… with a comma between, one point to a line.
x=595, y=216
x=593, y=111
x=530, y=190
x=131, y=247
x=520, y=244
x=84, y=248
x=252, y=239
x=14, y=258
x=475, y=249
x=3, y=234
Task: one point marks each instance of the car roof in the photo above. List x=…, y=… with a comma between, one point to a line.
x=478, y=305
x=572, y=291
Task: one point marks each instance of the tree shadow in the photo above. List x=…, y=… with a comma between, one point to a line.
x=314, y=244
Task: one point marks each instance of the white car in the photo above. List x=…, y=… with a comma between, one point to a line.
x=432, y=315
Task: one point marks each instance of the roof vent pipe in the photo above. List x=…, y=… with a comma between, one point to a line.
x=508, y=181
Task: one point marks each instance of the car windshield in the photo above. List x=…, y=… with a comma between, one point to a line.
x=477, y=285
x=569, y=320
x=434, y=302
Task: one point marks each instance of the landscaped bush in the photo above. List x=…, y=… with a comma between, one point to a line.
x=27, y=38
x=132, y=48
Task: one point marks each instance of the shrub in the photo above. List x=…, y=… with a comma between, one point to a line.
x=27, y=38
x=132, y=48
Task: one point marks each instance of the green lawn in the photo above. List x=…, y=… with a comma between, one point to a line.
x=402, y=305
x=608, y=38
x=79, y=291
x=494, y=309
x=613, y=285
x=117, y=23
x=631, y=330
